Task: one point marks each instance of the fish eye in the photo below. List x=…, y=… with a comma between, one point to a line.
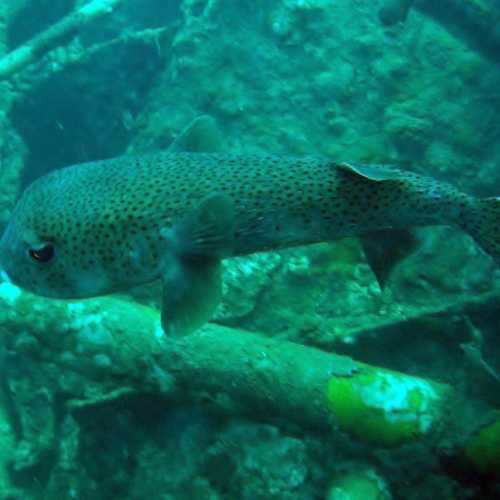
x=43, y=254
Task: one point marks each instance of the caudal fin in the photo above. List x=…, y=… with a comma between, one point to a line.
x=484, y=226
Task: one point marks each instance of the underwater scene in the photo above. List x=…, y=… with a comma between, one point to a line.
x=249, y=249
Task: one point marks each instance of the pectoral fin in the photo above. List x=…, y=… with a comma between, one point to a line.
x=208, y=231
x=191, y=276
x=385, y=249
x=190, y=295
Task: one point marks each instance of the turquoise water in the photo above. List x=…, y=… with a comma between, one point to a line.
x=97, y=403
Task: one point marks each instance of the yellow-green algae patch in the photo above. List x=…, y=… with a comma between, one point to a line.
x=383, y=407
x=484, y=448
x=358, y=485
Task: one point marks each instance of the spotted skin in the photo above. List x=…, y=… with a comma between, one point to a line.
x=107, y=220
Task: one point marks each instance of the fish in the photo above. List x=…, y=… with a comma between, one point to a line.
x=105, y=226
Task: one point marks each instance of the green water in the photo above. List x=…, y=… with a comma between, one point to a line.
x=96, y=404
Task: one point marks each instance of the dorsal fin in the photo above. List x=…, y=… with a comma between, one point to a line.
x=377, y=173
x=201, y=135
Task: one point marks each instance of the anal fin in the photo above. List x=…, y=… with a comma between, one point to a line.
x=385, y=249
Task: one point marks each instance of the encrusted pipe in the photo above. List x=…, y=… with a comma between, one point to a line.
x=53, y=36
x=121, y=345
x=474, y=21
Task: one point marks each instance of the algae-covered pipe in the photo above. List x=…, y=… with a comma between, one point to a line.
x=53, y=36
x=483, y=448
x=475, y=22
x=471, y=20
x=264, y=378
x=121, y=345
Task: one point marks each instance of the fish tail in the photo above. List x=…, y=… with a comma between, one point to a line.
x=483, y=224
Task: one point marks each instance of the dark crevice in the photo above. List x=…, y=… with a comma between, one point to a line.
x=82, y=114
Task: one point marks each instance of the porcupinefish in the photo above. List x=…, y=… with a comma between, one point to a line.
x=106, y=226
